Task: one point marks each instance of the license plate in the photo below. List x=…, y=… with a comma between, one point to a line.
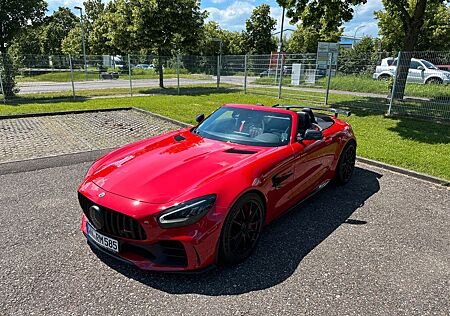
x=102, y=240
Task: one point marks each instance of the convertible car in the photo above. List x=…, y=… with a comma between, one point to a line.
x=201, y=195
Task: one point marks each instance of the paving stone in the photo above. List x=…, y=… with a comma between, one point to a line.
x=45, y=136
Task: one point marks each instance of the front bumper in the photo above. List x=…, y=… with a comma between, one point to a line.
x=186, y=248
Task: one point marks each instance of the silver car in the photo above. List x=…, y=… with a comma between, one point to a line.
x=420, y=71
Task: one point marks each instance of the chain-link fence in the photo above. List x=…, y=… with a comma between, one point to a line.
x=368, y=82
x=421, y=84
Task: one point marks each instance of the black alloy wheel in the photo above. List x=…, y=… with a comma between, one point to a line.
x=346, y=165
x=242, y=229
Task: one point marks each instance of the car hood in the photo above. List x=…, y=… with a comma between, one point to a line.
x=160, y=171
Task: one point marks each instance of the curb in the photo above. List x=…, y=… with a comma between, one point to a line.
x=51, y=162
x=406, y=172
x=165, y=118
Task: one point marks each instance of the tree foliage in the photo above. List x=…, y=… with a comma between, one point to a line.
x=362, y=59
x=14, y=16
x=72, y=42
x=434, y=35
x=326, y=15
x=55, y=28
x=232, y=42
x=258, y=31
x=304, y=39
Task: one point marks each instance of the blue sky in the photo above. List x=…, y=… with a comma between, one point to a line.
x=231, y=15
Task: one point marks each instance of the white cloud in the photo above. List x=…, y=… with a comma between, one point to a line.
x=364, y=20
x=232, y=17
x=54, y=4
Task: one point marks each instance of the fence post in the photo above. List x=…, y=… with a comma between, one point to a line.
x=178, y=74
x=394, y=87
x=129, y=75
x=71, y=76
x=330, y=64
x=245, y=73
x=280, y=84
x=1, y=85
x=218, y=71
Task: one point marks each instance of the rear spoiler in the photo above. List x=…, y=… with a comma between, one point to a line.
x=332, y=110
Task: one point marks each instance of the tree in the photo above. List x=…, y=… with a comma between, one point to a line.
x=55, y=28
x=258, y=31
x=331, y=13
x=99, y=24
x=326, y=15
x=360, y=60
x=232, y=42
x=435, y=33
x=304, y=39
x=14, y=16
x=72, y=43
x=160, y=26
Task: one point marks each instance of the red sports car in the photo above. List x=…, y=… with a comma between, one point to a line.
x=201, y=195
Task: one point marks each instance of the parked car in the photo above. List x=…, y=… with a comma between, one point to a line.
x=201, y=195
x=145, y=66
x=287, y=70
x=109, y=75
x=420, y=71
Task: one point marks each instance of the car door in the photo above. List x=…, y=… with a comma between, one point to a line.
x=416, y=72
x=312, y=162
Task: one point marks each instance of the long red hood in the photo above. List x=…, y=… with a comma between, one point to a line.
x=161, y=170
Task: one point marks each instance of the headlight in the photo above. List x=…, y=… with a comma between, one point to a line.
x=186, y=213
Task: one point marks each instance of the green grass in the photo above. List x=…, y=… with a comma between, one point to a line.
x=417, y=145
x=356, y=83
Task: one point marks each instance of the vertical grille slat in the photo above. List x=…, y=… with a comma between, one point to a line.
x=116, y=224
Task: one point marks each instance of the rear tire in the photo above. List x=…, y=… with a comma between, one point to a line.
x=346, y=164
x=241, y=230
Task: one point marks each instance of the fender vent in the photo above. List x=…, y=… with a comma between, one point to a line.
x=240, y=151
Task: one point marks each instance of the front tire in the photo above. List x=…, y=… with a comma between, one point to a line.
x=434, y=81
x=346, y=164
x=241, y=230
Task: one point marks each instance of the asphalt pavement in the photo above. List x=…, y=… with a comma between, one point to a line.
x=377, y=246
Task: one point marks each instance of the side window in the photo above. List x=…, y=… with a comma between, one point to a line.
x=414, y=64
x=394, y=63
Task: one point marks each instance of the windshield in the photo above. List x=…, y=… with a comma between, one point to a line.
x=247, y=127
x=429, y=65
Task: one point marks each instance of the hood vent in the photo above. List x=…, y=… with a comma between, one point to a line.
x=240, y=151
x=179, y=138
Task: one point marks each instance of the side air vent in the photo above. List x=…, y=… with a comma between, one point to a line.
x=179, y=138
x=240, y=151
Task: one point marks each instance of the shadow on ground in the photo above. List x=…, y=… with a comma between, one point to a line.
x=281, y=250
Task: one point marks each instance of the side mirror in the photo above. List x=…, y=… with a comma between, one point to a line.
x=200, y=118
x=312, y=134
x=421, y=68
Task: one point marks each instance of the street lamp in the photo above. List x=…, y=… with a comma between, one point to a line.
x=82, y=41
x=356, y=31
x=219, y=61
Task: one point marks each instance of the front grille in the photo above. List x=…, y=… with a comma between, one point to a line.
x=115, y=223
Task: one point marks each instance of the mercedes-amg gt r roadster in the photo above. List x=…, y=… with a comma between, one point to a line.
x=201, y=195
